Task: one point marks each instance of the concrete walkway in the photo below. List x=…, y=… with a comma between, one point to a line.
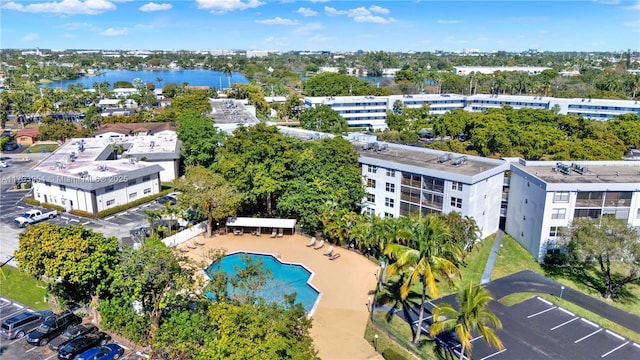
x=488, y=268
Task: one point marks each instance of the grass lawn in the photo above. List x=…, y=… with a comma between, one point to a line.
x=23, y=288
x=517, y=298
x=402, y=331
x=39, y=147
x=512, y=258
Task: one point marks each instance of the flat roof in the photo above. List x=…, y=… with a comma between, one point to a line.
x=83, y=162
x=619, y=172
x=230, y=111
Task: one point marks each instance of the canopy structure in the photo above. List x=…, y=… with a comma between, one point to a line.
x=279, y=226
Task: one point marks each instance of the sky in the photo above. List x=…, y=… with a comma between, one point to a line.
x=333, y=25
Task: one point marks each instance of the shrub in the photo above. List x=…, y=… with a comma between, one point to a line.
x=53, y=207
x=81, y=213
x=123, y=207
x=390, y=354
x=32, y=201
x=556, y=259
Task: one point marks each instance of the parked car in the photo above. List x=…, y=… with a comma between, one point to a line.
x=51, y=327
x=34, y=216
x=107, y=352
x=71, y=333
x=171, y=198
x=10, y=146
x=19, y=325
x=83, y=343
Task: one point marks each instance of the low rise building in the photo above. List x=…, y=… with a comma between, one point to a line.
x=546, y=196
x=27, y=136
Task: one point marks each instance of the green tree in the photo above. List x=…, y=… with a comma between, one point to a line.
x=200, y=139
x=474, y=316
x=324, y=119
x=43, y=106
x=607, y=246
x=192, y=101
x=155, y=277
x=332, y=84
x=209, y=193
x=424, y=258
x=58, y=130
x=80, y=258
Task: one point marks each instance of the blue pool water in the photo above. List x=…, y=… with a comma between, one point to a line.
x=286, y=278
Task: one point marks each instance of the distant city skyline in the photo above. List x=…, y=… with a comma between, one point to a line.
x=284, y=25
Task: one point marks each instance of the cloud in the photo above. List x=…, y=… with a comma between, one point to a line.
x=277, y=21
x=30, y=37
x=362, y=14
x=636, y=6
x=69, y=36
x=79, y=26
x=309, y=28
x=607, y=2
x=155, y=7
x=448, y=21
x=69, y=7
x=115, y=32
x=319, y=1
x=633, y=24
x=306, y=12
x=224, y=6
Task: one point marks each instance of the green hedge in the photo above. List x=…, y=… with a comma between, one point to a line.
x=34, y=202
x=123, y=207
x=81, y=213
x=390, y=354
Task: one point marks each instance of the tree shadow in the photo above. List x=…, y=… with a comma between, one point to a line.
x=391, y=295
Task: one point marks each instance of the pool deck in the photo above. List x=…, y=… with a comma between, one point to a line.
x=340, y=318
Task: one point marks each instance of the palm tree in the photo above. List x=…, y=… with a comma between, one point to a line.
x=424, y=261
x=474, y=315
x=43, y=106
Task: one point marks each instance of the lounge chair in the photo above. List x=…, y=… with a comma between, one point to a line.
x=329, y=251
x=238, y=232
x=281, y=233
x=181, y=249
x=312, y=242
x=274, y=233
x=198, y=242
x=320, y=245
x=190, y=246
x=334, y=256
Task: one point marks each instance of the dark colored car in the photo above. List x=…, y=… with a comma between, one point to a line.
x=169, y=198
x=107, y=352
x=82, y=343
x=10, y=146
x=51, y=327
x=71, y=333
x=19, y=325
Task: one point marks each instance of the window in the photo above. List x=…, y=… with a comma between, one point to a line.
x=388, y=215
x=391, y=173
x=146, y=178
x=132, y=182
x=558, y=213
x=47, y=183
x=108, y=188
x=147, y=191
x=456, y=202
x=455, y=185
x=371, y=168
x=388, y=202
x=371, y=183
x=111, y=202
x=63, y=188
x=371, y=198
x=433, y=184
x=370, y=211
x=556, y=231
x=389, y=187
x=133, y=195
x=561, y=196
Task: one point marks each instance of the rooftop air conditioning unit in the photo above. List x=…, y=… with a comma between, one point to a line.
x=461, y=160
x=445, y=157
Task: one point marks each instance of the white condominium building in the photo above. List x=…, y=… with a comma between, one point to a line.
x=371, y=111
x=545, y=196
x=400, y=180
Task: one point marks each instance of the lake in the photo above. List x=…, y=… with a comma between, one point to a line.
x=214, y=79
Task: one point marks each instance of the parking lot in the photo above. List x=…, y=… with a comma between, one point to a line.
x=12, y=205
x=539, y=329
x=19, y=349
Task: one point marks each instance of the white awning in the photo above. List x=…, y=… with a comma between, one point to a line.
x=261, y=222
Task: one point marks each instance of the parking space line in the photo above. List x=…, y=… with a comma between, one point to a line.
x=605, y=354
x=636, y=345
x=590, y=323
x=13, y=313
x=563, y=324
x=64, y=218
x=614, y=334
x=51, y=357
x=476, y=338
x=86, y=222
x=494, y=354
x=541, y=312
x=566, y=311
x=544, y=301
x=109, y=218
x=586, y=336
x=427, y=318
x=15, y=341
x=74, y=220
x=20, y=207
x=30, y=350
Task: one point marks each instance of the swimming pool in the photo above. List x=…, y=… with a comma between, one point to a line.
x=286, y=278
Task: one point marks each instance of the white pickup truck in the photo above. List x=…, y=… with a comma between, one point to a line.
x=34, y=216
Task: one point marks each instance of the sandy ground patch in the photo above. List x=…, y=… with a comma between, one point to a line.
x=341, y=316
